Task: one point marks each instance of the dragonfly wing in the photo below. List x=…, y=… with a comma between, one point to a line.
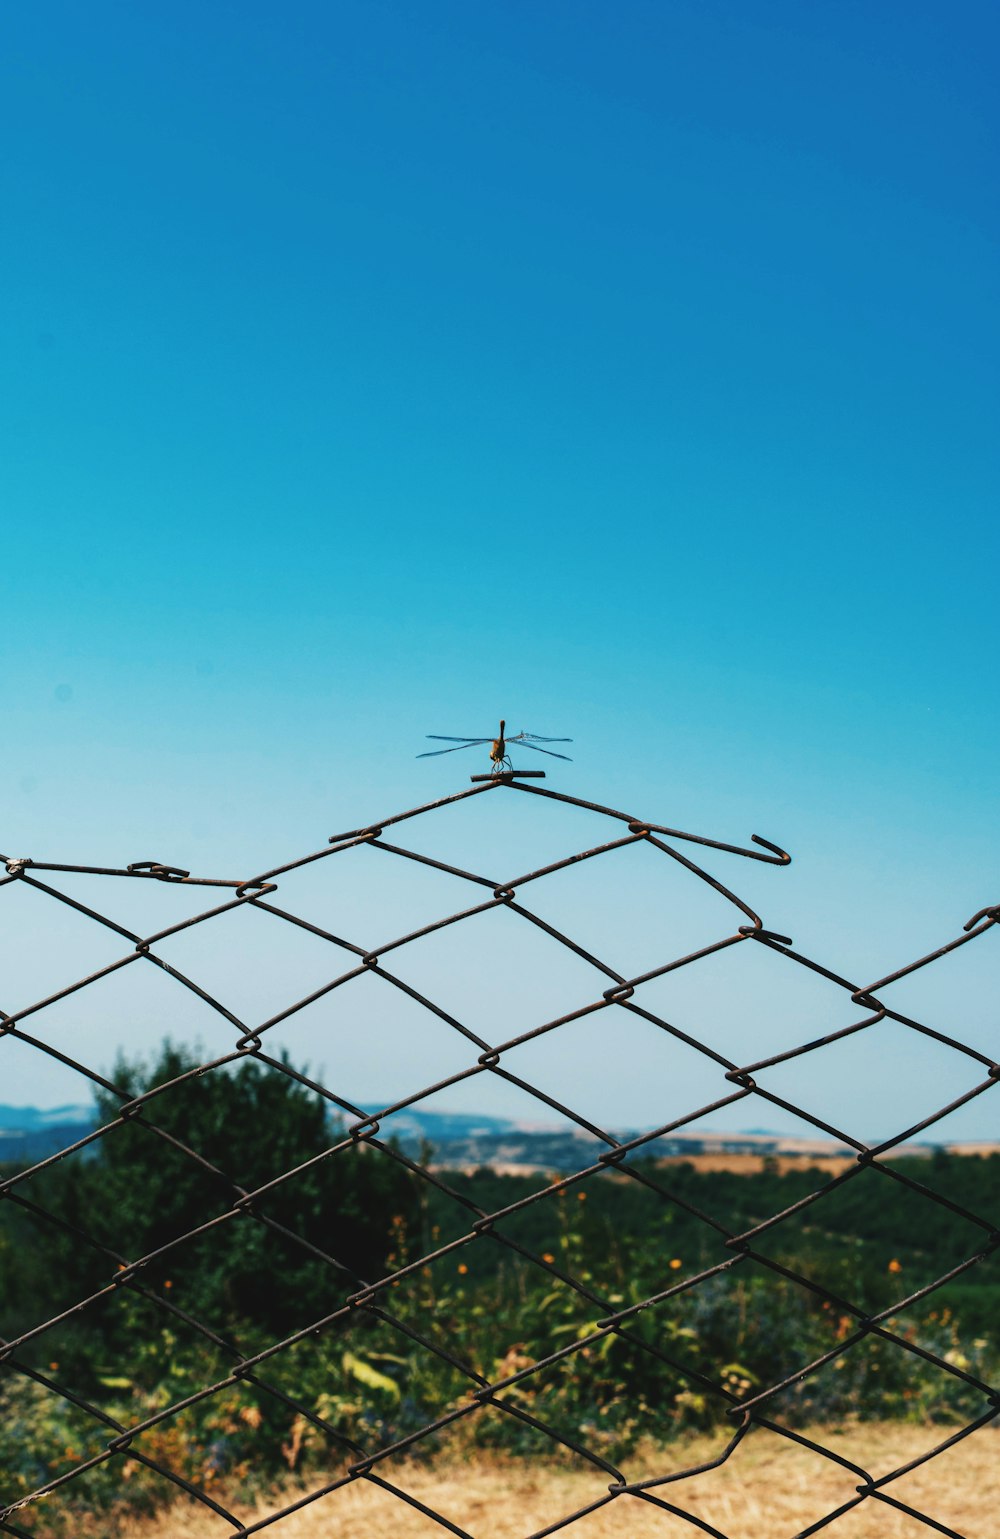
x=551, y=754
x=533, y=737
x=434, y=752
x=439, y=737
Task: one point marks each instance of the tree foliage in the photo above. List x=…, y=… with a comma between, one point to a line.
x=177, y=1169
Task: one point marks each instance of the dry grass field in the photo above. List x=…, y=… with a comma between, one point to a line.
x=769, y=1489
x=756, y=1164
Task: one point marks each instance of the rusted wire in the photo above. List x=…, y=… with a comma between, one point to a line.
x=373, y=1298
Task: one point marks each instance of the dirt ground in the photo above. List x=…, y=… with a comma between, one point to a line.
x=769, y=1489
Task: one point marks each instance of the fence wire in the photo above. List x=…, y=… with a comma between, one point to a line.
x=376, y=1298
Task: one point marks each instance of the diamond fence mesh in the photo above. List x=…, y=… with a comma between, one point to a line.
x=352, y=1346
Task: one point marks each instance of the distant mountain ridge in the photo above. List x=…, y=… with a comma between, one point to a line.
x=31, y=1133
x=25, y=1118
x=470, y=1139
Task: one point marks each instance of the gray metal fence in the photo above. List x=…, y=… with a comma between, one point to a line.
x=25, y=1356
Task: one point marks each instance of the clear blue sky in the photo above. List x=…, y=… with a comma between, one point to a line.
x=379, y=369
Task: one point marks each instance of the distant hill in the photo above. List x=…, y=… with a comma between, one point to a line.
x=467, y=1140
x=30, y=1133
x=24, y=1118
x=463, y=1141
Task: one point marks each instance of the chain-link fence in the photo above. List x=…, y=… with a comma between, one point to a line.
x=650, y=1327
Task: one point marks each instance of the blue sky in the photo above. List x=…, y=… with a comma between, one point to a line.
x=380, y=369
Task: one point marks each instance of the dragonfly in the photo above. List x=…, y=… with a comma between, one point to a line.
x=498, y=746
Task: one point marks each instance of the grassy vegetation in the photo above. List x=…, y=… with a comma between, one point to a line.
x=498, y=1303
